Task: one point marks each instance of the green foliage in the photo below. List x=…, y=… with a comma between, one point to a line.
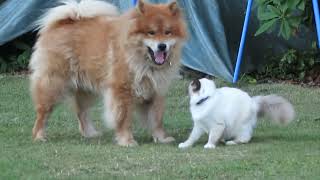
x=284, y=16
x=291, y=65
x=16, y=62
x=17, y=58
x=246, y=79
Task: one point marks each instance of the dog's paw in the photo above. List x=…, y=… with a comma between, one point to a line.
x=230, y=143
x=91, y=134
x=209, y=146
x=184, y=145
x=125, y=142
x=88, y=131
x=40, y=139
x=39, y=136
x=131, y=143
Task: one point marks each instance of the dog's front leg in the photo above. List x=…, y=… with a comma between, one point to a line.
x=194, y=136
x=118, y=114
x=155, y=111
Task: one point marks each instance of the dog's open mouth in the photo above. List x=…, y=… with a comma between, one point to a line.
x=158, y=57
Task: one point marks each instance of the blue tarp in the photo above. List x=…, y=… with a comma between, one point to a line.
x=214, y=27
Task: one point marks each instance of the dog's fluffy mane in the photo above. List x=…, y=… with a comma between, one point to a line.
x=159, y=78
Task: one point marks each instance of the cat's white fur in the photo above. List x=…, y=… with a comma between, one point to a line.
x=229, y=114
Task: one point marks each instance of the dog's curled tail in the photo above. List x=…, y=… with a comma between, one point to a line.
x=277, y=108
x=74, y=10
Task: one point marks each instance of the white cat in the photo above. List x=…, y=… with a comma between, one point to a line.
x=229, y=114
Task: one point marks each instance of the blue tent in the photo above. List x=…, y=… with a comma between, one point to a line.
x=214, y=27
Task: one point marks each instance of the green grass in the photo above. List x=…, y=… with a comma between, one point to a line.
x=291, y=152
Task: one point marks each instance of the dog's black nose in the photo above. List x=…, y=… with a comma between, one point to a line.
x=162, y=47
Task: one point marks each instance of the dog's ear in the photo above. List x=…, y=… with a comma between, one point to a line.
x=196, y=85
x=173, y=7
x=141, y=6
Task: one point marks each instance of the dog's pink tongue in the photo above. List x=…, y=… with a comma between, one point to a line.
x=160, y=57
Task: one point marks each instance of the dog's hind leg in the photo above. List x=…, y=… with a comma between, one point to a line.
x=46, y=91
x=83, y=102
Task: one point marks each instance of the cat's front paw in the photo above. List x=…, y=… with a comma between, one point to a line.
x=184, y=145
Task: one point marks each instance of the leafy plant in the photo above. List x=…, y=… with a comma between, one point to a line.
x=16, y=57
x=284, y=16
x=292, y=65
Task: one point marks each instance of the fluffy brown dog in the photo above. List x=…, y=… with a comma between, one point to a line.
x=86, y=49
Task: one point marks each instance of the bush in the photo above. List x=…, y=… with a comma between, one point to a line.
x=15, y=55
x=284, y=16
x=292, y=65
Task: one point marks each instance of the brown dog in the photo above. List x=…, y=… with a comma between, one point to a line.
x=86, y=49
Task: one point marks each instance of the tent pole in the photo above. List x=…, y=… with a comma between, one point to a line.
x=317, y=18
x=134, y=2
x=242, y=41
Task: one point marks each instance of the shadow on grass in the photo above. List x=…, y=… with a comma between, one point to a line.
x=284, y=138
x=107, y=138
x=145, y=138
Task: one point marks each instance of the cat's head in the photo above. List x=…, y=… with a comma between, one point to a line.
x=201, y=88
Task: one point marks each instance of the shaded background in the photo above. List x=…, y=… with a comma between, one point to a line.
x=214, y=26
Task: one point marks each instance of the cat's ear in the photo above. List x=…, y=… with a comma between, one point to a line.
x=196, y=85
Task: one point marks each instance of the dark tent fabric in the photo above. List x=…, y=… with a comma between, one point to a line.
x=18, y=16
x=214, y=28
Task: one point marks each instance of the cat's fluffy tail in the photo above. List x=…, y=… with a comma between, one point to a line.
x=277, y=108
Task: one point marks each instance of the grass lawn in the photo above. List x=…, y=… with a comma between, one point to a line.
x=291, y=152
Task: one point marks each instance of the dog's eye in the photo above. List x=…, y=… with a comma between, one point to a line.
x=168, y=33
x=151, y=33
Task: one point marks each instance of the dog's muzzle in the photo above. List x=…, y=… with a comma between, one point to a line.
x=159, y=57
